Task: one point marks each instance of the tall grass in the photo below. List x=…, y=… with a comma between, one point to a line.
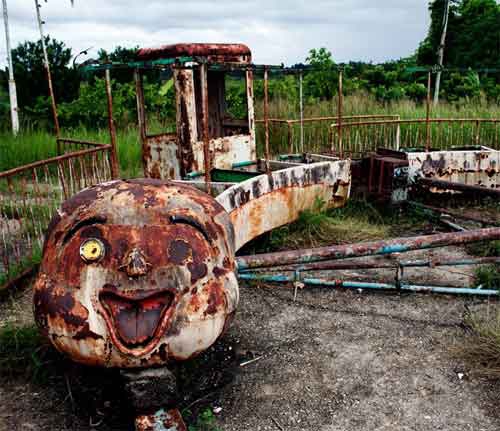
x=33, y=144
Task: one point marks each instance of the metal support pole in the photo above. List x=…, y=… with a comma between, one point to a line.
x=49, y=76
x=339, y=115
x=441, y=51
x=141, y=116
x=206, y=138
x=428, y=115
x=12, y=83
x=266, y=118
x=115, y=169
x=373, y=248
x=301, y=96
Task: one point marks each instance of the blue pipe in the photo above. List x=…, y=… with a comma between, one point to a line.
x=363, y=285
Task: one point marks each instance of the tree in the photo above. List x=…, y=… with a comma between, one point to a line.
x=321, y=82
x=30, y=72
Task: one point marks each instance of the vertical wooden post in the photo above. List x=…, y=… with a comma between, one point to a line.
x=49, y=76
x=428, y=114
x=266, y=117
x=206, y=137
x=289, y=125
x=339, y=115
x=115, y=170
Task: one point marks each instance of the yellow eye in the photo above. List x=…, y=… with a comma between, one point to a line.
x=92, y=250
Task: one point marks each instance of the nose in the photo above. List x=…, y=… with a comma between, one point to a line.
x=135, y=263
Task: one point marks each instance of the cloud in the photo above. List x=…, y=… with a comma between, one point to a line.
x=276, y=31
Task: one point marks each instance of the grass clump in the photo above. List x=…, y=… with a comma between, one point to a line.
x=205, y=421
x=481, y=347
x=23, y=352
x=488, y=277
x=319, y=226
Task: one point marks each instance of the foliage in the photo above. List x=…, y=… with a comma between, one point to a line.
x=488, y=277
x=23, y=352
x=205, y=421
x=30, y=74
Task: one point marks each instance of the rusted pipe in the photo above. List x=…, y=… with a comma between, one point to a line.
x=373, y=248
x=266, y=118
x=115, y=169
x=448, y=185
x=334, y=265
x=206, y=138
x=141, y=116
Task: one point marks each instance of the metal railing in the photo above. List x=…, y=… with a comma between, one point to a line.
x=358, y=138
x=309, y=134
x=30, y=195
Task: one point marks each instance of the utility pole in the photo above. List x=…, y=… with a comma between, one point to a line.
x=47, y=70
x=441, y=50
x=12, y=83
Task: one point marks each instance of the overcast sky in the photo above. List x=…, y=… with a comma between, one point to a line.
x=276, y=31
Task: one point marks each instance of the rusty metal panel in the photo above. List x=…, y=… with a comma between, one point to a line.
x=137, y=273
x=271, y=200
x=187, y=131
x=160, y=156
x=226, y=151
x=475, y=168
x=214, y=52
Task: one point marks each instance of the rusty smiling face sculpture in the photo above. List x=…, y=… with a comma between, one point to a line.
x=137, y=273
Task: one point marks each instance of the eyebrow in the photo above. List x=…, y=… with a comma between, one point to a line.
x=190, y=221
x=81, y=224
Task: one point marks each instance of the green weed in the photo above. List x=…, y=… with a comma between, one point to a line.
x=23, y=351
x=488, y=277
x=205, y=421
x=481, y=347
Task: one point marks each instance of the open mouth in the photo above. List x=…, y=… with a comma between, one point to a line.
x=135, y=320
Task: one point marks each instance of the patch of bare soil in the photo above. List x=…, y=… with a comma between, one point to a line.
x=331, y=360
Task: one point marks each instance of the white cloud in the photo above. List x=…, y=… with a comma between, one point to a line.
x=276, y=31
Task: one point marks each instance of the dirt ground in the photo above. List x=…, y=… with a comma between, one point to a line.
x=331, y=360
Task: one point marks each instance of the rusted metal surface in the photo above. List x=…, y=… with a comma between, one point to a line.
x=266, y=119
x=207, y=162
x=137, y=273
x=160, y=157
x=115, y=168
x=214, y=52
x=448, y=185
x=373, y=248
x=474, y=168
x=162, y=420
x=271, y=200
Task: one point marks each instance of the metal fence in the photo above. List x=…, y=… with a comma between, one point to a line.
x=358, y=138
x=30, y=194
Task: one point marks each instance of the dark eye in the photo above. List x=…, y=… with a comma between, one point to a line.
x=92, y=250
x=182, y=219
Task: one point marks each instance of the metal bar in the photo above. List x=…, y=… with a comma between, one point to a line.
x=334, y=265
x=206, y=138
x=266, y=118
x=80, y=142
x=448, y=185
x=339, y=116
x=301, y=98
x=19, y=169
x=115, y=168
x=373, y=248
x=364, y=285
x=141, y=115
x=47, y=70
x=459, y=215
x=428, y=114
